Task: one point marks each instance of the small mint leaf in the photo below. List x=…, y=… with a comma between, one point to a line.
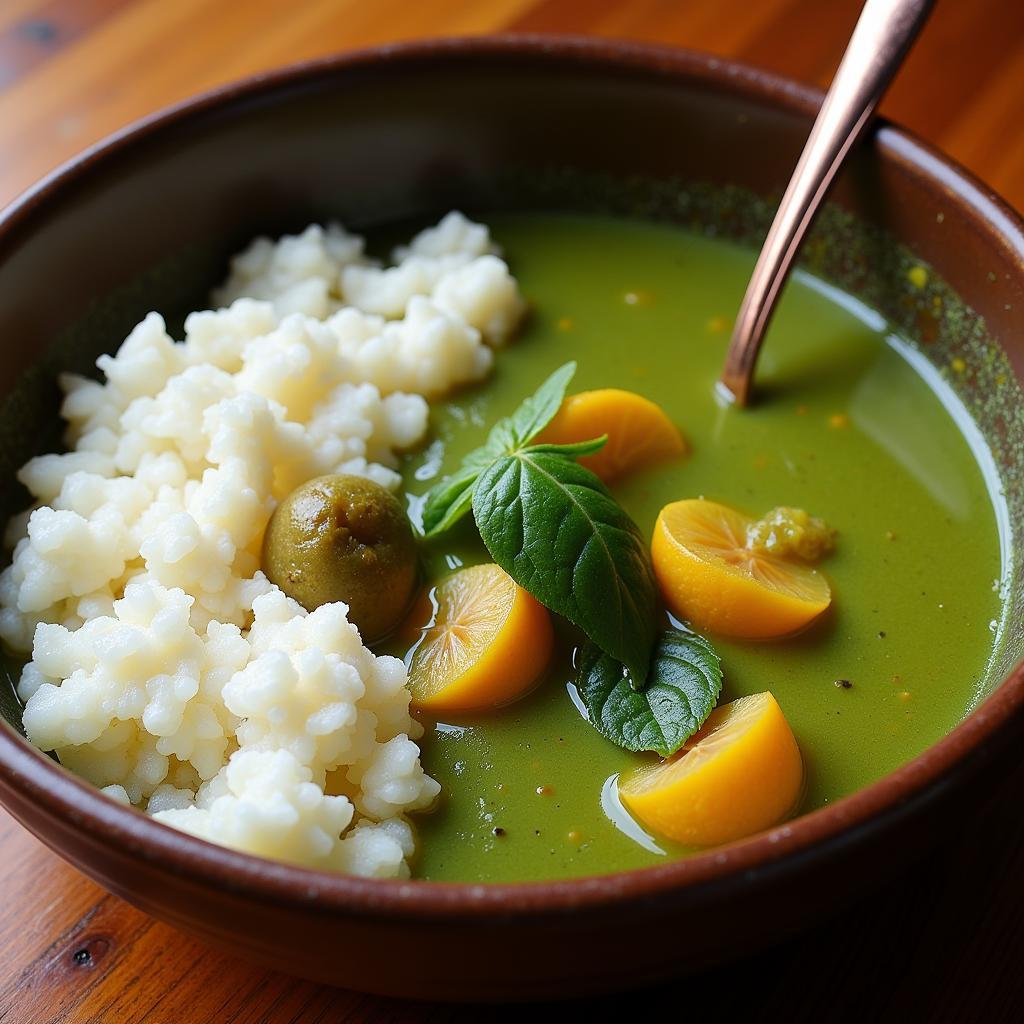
x=574, y=450
x=680, y=691
x=451, y=498
x=449, y=501
x=535, y=413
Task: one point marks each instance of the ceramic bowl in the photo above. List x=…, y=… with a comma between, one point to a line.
x=146, y=220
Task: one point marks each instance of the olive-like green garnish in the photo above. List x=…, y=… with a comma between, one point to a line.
x=344, y=538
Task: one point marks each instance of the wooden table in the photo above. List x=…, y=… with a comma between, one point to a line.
x=943, y=941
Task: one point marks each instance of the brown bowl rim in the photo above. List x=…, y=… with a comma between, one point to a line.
x=107, y=823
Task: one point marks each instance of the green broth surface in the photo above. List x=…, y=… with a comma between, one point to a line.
x=845, y=427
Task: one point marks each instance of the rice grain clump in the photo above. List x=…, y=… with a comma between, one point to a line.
x=165, y=668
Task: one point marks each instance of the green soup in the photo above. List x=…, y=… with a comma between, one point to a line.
x=852, y=425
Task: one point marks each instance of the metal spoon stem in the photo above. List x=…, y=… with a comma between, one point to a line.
x=883, y=34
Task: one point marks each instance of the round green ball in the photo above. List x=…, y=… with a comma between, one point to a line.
x=344, y=538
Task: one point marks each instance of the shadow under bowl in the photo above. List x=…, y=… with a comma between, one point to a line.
x=147, y=219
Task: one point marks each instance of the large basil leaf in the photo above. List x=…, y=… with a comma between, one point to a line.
x=555, y=529
x=450, y=499
x=682, y=686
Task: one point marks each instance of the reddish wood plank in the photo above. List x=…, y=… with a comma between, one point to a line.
x=32, y=39
x=963, y=51
x=805, y=41
x=74, y=953
x=79, y=959
x=166, y=51
x=58, y=898
x=154, y=53
x=987, y=136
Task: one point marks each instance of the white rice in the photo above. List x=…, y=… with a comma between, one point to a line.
x=165, y=668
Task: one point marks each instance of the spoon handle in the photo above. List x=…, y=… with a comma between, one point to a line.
x=883, y=34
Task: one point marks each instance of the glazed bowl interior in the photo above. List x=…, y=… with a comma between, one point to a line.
x=148, y=222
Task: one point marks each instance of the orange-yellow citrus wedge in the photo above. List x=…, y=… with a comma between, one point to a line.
x=488, y=642
x=710, y=577
x=639, y=432
x=741, y=773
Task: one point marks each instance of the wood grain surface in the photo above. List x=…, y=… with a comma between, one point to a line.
x=942, y=942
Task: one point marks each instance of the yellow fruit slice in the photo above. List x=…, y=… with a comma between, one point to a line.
x=639, y=432
x=709, y=576
x=741, y=773
x=488, y=642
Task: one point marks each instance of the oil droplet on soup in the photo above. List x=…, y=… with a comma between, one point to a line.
x=847, y=428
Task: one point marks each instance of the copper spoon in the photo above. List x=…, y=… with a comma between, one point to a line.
x=880, y=41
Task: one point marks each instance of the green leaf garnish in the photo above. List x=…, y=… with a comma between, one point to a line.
x=555, y=529
x=535, y=413
x=682, y=687
x=449, y=500
x=574, y=450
